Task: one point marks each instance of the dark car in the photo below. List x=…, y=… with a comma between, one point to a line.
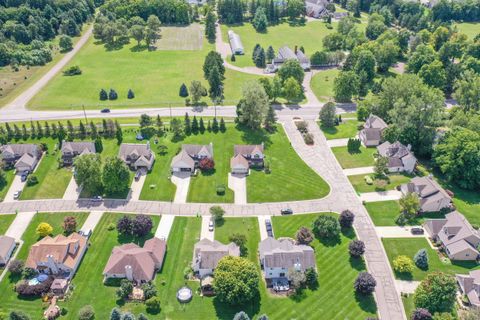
x=417, y=230
x=138, y=174
x=106, y=110
x=24, y=176
x=286, y=211
x=268, y=225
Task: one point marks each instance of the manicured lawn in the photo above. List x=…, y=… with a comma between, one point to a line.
x=410, y=246
x=5, y=222
x=346, y=129
x=394, y=180
x=470, y=29
x=364, y=158
x=408, y=304
x=9, y=175
x=154, y=76
x=10, y=300
x=322, y=84
x=384, y=213
x=246, y=226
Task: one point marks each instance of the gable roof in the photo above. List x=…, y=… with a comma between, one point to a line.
x=284, y=253
x=426, y=186
x=194, y=149
x=375, y=122
x=25, y=160
x=183, y=159
x=285, y=53
x=247, y=149
x=137, y=149
x=210, y=252
x=6, y=244
x=80, y=147
x=239, y=161
x=21, y=148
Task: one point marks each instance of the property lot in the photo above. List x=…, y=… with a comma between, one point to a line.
x=5, y=222
x=346, y=129
x=384, y=213
x=363, y=158
x=389, y=183
x=9, y=175
x=322, y=84
x=246, y=226
x=181, y=38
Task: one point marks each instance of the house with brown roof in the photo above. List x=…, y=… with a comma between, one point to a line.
x=371, y=134
x=189, y=157
x=470, y=286
x=400, y=157
x=21, y=156
x=71, y=149
x=245, y=157
x=456, y=235
x=137, y=156
x=432, y=196
x=277, y=257
x=207, y=253
x=7, y=245
x=135, y=263
x=59, y=255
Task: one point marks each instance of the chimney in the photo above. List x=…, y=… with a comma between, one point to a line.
x=129, y=272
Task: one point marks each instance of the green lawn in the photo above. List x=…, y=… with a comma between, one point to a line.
x=246, y=226
x=394, y=180
x=384, y=213
x=154, y=76
x=322, y=84
x=364, y=158
x=410, y=246
x=470, y=29
x=346, y=129
x=408, y=304
x=10, y=300
x=9, y=175
x=5, y=222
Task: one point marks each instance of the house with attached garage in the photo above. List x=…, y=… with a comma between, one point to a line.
x=400, y=157
x=7, y=245
x=23, y=157
x=456, y=235
x=432, y=196
x=470, y=286
x=316, y=8
x=70, y=150
x=284, y=54
x=207, y=254
x=137, y=156
x=189, y=157
x=246, y=157
x=371, y=134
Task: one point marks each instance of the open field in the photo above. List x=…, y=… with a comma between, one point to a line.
x=410, y=246
x=470, y=29
x=5, y=222
x=384, y=213
x=9, y=175
x=154, y=76
x=393, y=180
x=364, y=158
x=181, y=38
x=346, y=129
x=322, y=84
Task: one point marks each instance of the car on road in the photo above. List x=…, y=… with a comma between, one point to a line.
x=210, y=225
x=97, y=198
x=268, y=226
x=138, y=174
x=16, y=195
x=417, y=230
x=286, y=211
x=106, y=110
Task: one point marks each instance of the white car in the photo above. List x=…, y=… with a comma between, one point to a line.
x=210, y=225
x=16, y=195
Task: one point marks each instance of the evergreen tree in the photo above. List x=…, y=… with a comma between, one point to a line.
x=183, y=91
x=39, y=130
x=33, y=131
x=81, y=130
x=47, y=129
x=223, y=128
x=213, y=59
x=61, y=134
x=17, y=133
x=270, y=119
x=255, y=52
x=195, y=125
x=104, y=127
x=24, y=132
x=54, y=130
x=118, y=132
x=209, y=126
x=210, y=30
x=270, y=54
x=260, y=20
x=115, y=314
x=215, y=125
x=130, y=94
x=93, y=130
x=159, y=124
x=70, y=130
x=9, y=131
x=201, y=126
x=103, y=95
x=216, y=84
x=260, y=61
x=112, y=95
x=187, y=125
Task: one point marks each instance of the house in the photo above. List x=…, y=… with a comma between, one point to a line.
x=279, y=256
x=400, y=157
x=284, y=54
x=456, y=235
x=316, y=8
x=371, y=134
x=59, y=255
x=72, y=149
x=245, y=157
x=188, y=159
x=7, y=245
x=136, y=263
x=207, y=253
x=235, y=42
x=432, y=196
x=136, y=155
x=24, y=157
x=470, y=286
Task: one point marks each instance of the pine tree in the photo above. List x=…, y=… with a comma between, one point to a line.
x=24, y=132
x=82, y=130
x=215, y=125
x=270, y=54
x=195, y=125
x=209, y=126
x=187, y=125
x=33, y=131
x=183, y=91
x=93, y=130
x=115, y=314
x=118, y=132
x=260, y=61
x=112, y=95
x=210, y=30
x=201, y=126
x=215, y=82
x=61, y=134
x=39, y=130
x=271, y=12
x=302, y=49
x=270, y=119
x=70, y=130
x=223, y=128
x=159, y=124
x=104, y=127
x=103, y=95
x=9, y=131
x=255, y=52
x=130, y=94
x=54, y=130
x=47, y=129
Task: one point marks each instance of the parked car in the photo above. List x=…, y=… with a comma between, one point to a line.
x=16, y=195
x=106, y=110
x=286, y=211
x=268, y=225
x=417, y=230
x=210, y=225
x=138, y=174
x=97, y=198
x=24, y=176
x=86, y=234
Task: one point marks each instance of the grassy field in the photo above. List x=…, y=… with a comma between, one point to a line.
x=10, y=300
x=410, y=246
x=470, y=29
x=9, y=175
x=322, y=84
x=5, y=222
x=394, y=180
x=346, y=129
x=384, y=213
x=364, y=158
x=154, y=76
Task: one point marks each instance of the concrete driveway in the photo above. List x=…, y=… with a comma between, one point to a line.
x=337, y=142
x=73, y=190
x=355, y=171
x=263, y=228
x=17, y=185
x=136, y=187
x=182, y=181
x=92, y=221
x=238, y=183
x=205, y=233
x=164, y=226
x=380, y=196
x=19, y=225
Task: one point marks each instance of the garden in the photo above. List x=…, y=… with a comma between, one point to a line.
x=371, y=183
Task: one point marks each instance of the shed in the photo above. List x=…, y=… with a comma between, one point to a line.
x=235, y=42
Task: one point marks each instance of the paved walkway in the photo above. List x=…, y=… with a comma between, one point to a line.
x=337, y=142
x=17, y=185
x=73, y=190
x=381, y=196
x=205, y=233
x=19, y=225
x=263, y=228
x=164, y=227
x=136, y=187
x=397, y=232
x=182, y=181
x=355, y=171
x=92, y=221
x=238, y=183
x=406, y=286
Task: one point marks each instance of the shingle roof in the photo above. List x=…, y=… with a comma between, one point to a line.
x=195, y=149
x=80, y=147
x=210, y=252
x=21, y=148
x=25, y=160
x=374, y=122
x=239, y=161
x=137, y=149
x=6, y=244
x=426, y=186
x=247, y=149
x=183, y=159
x=285, y=254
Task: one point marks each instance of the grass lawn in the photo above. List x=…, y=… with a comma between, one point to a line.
x=410, y=246
x=322, y=84
x=246, y=226
x=346, y=129
x=10, y=300
x=154, y=76
x=408, y=304
x=364, y=158
x=469, y=28
x=384, y=213
x=5, y=222
x=9, y=175
x=394, y=180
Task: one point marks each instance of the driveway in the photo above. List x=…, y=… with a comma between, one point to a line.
x=380, y=196
x=182, y=181
x=263, y=228
x=355, y=171
x=398, y=232
x=17, y=185
x=337, y=142
x=92, y=221
x=205, y=233
x=164, y=227
x=238, y=183
x=73, y=190
x=136, y=187
x=19, y=225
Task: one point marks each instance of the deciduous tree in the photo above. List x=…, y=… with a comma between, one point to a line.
x=115, y=176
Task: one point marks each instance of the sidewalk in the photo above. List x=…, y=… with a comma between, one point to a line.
x=19, y=225
x=337, y=142
x=398, y=232
x=164, y=227
x=92, y=221
x=380, y=196
x=355, y=171
x=404, y=286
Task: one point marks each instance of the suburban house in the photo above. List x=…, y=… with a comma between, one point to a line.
x=456, y=235
x=400, y=157
x=245, y=157
x=470, y=286
x=59, y=255
x=7, y=245
x=316, y=8
x=189, y=157
x=371, y=134
x=235, y=42
x=72, y=149
x=207, y=253
x=23, y=157
x=284, y=54
x=137, y=156
x=136, y=263
x=279, y=256
x=432, y=196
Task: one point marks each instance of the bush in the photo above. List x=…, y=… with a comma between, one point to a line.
x=346, y=219
x=326, y=227
x=18, y=315
x=86, y=313
x=28, y=273
x=149, y=290
x=153, y=304
x=365, y=283
x=304, y=236
x=311, y=278
x=65, y=43
x=221, y=189
x=103, y=95
x=353, y=145
x=206, y=164
x=44, y=229
x=126, y=288
x=112, y=95
x=111, y=226
x=302, y=126
x=308, y=138
x=368, y=180
x=421, y=259
x=217, y=213
x=421, y=314
x=183, y=91
x=16, y=266
x=130, y=94
x=69, y=224
x=72, y=71
x=32, y=180
x=403, y=264
x=356, y=248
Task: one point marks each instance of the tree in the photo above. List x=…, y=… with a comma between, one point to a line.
x=410, y=204
x=153, y=304
x=126, y=288
x=365, y=63
x=16, y=266
x=217, y=213
x=345, y=86
x=297, y=278
x=69, y=224
x=295, y=9
x=421, y=259
x=125, y=225
x=311, y=278
x=424, y=54
x=270, y=54
x=187, y=124
x=254, y=105
x=213, y=59
x=222, y=126
x=210, y=30
x=201, y=126
x=103, y=95
x=421, y=314
x=304, y=236
x=386, y=55
x=260, y=59
x=403, y=264
x=241, y=316
x=149, y=290
x=346, y=219
x=183, y=91
x=65, y=43
x=141, y=316
x=434, y=75
x=197, y=91
x=115, y=314
x=292, y=90
x=365, y=283
x=128, y=316
x=145, y=120
x=216, y=84
x=270, y=119
x=381, y=166
x=328, y=115
x=241, y=241
x=235, y=280
x=176, y=127
x=260, y=21
x=467, y=90
x=326, y=227
x=115, y=176
x=141, y=225
x=112, y=95
x=18, y=315
x=137, y=32
x=152, y=30
x=437, y=292
x=291, y=68
x=44, y=229
x=375, y=29
x=86, y=313
x=356, y=248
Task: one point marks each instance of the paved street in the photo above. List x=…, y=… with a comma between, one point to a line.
x=182, y=181
x=19, y=225
x=238, y=183
x=355, y=171
x=17, y=185
x=92, y=221
x=381, y=196
x=164, y=227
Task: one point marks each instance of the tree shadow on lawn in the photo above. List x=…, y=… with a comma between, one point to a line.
x=227, y=312
x=366, y=302
x=251, y=136
x=139, y=48
x=357, y=263
x=407, y=276
x=330, y=242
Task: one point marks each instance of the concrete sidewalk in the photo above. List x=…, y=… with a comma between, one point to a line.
x=238, y=183
x=263, y=228
x=355, y=171
x=381, y=196
x=73, y=190
x=205, y=233
x=19, y=225
x=398, y=232
x=164, y=227
x=92, y=221
x=337, y=142
x=182, y=181
x=136, y=187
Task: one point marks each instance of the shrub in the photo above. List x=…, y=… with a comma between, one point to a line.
x=326, y=227
x=353, y=145
x=311, y=278
x=304, y=236
x=72, y=71
x=24, y=289
x=18, y=315
x=128, y=316
x=28, y=273
x=328, y=114
x=141, y=225
x=356, y=248
x=302, y=126
x=421, y=314
x=69, y=224
x=124, y=225
x=183, y=91
x=221, y=189
x=130, y=94
x=103, y=95
x=86, y=313
x=16, y=266
x=403, y=264
x=217, y=213
x=153, y=304
x=365, y=283
x=346, y=219
x=232, y=58
x=308, y=138
x=111, y=226
x=421, y=259
x=368, y=180
x=149, y=290
x=115, y=314
x=112, y=95
x=44, y=229
x=206, y=164
x=126, y=288
x=32, y=180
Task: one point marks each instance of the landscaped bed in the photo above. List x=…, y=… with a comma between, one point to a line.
x=346, y=129
x=363, y=158
x=389, y=182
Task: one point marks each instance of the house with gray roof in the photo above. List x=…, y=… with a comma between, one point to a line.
x=71, y=149
x=371, y=134
x=456, y=235
x=400, y=157
x=432, y=196
x=246, y=156
x=207, y=253
x=7, y=245
x=235, y=42
x=284, y=54
x=188, y=159
x=470, y=286
x=316, y=8
x=279, y=256
x=136, y=155
x=21, y=156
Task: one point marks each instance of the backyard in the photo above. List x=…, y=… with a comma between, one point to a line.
x=346, y=129
x=363, y=158
x=5, y=222
x=389, y=182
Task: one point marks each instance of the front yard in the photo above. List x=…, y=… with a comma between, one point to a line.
x=363, y=158
x=384, y=213
x=388, y=183
x=9, y=175
x=5, y=222
x=346, y=129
